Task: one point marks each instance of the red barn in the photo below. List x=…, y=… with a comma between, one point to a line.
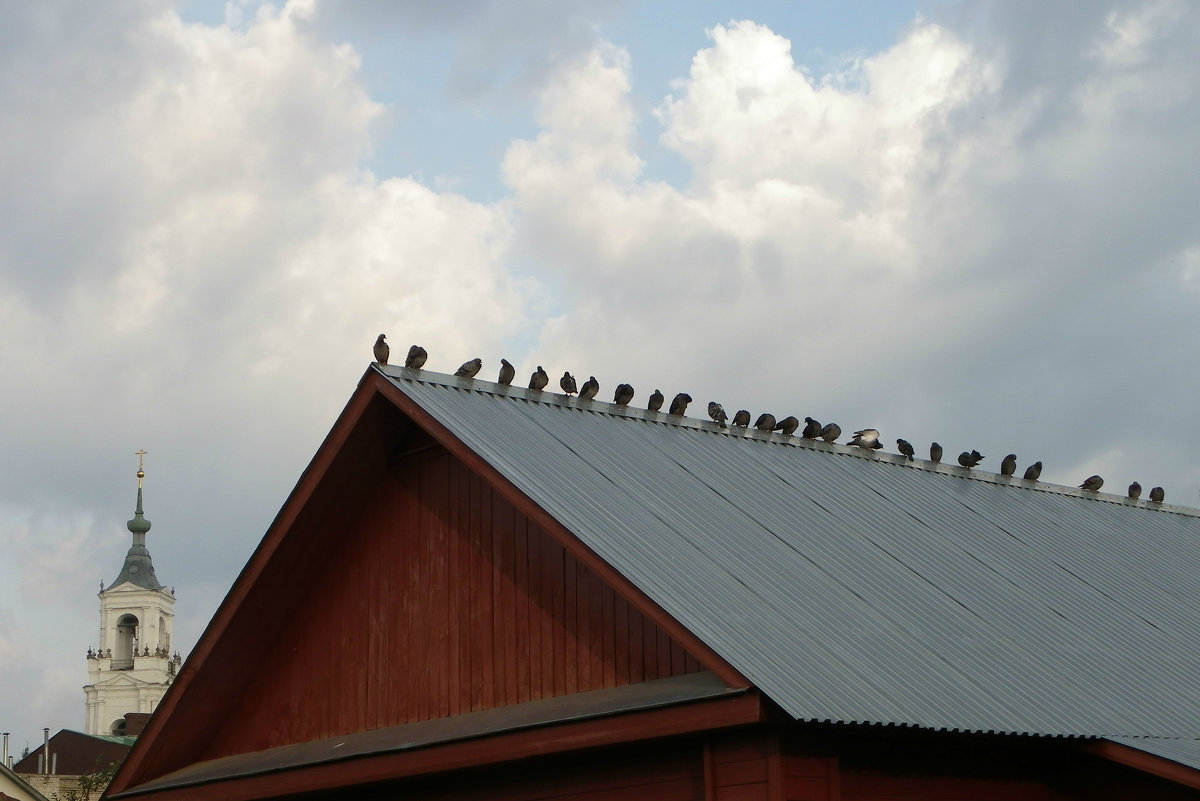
x=478, y=591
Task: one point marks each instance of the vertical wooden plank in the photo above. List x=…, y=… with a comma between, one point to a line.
x=522, y=605
x=608, y=627
x=677, y=659
x=503, y=615
x=650, y=649
x=554, y=680
x=583, y=619
x=537, y=610
x=664, y=653
x=406, y=650
x=570, y=625
x=422, y=634
x=596, y=630
x=710, y=784
x=620, y=640
x=774, y=769
x=453, y=692
x=481, y=498
x=637, y=664
x=435, y=597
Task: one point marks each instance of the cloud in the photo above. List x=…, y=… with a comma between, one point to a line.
x=937, y=241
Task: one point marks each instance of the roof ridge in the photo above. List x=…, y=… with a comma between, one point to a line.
x=550, y=398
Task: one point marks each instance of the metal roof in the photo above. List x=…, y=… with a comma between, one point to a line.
x=855, y=586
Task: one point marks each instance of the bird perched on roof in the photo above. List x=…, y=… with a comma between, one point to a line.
x=935, y=453
x=623, y=395
x=679, y=404
x=656, y=401
x=1009, y=465
x=906, y=449
x=381, y=350
x=469, y=369
x=970, y=458
x=539, y=379
x=590, y=388
x=1135, y=490
x=788, y=425
x=830, y=432
x=741, y=419
x=717, y=412
x=867, y=438
x=567, y=382
x=1033, y=472
x=507, y=373
x=812, y=428
x=1157, y=495
x=765, y=422
x=1092, y=484
x=416, y=358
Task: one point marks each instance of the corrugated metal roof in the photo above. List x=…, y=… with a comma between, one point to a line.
x=857, y=587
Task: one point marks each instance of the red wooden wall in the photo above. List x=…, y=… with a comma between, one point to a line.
x=440, y=599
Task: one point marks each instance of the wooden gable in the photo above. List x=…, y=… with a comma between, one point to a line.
x=404, y=581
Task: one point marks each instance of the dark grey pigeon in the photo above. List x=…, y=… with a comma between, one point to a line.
x=469, y=369
x=656, y=401
x=507, y=372
x=1009, y=465
x=623, y=395
x=935, y=453
x=416, y=357
x=970, y=458
x=679, y=404
x=788, y=425
x=1092, y=484
x=1034, y=471
x=590, y=388
x=830, y=432
x=906, y=449
x=539, y=379
x=812, y=429
x=717, y=412
x=381, y=350
x=1135, y=490
x=1157, y=495
x=867, y=438
x=741, y=419
x=765, y=422
x=567, y=382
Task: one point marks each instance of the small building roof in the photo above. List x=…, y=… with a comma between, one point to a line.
x=856, y=586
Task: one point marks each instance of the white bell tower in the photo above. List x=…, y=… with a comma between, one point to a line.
x=134, y=665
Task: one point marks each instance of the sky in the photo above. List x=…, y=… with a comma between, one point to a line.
x=970, y=222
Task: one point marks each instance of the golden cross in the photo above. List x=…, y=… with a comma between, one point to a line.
x=139, y=454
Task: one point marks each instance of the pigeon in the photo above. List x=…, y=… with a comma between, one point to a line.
x=830, y=432
x=416, y=358
x=741, y=419
x=656, y=401
x=1157, y=495
x=623, y=395
x=1092, y=484
x=970, y=458
x=765, y=422
x=679, y=404
x=539, y=380
x=1135, y=490
x=1009, y=465
x=507, y=372
x=906, y=449
x=381, y=350
x=567, y=382
x=811, y=428
x=469, y=369
x=787, y=425
x=935, y=453
x=590, y=388
x=717, y=412
x=1033, y=472
x=867, y=438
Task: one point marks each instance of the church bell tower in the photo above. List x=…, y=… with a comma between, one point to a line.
x=133, y=665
